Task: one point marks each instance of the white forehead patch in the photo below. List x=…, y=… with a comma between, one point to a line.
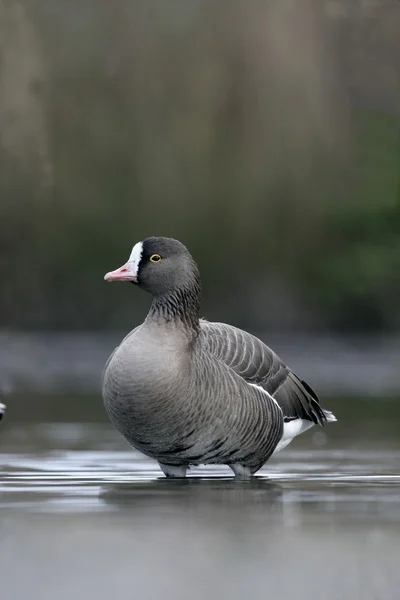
x=135, y=258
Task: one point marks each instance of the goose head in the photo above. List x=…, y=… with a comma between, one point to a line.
x=159, y=265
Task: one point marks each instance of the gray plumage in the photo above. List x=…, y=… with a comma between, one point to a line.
x=186, y=391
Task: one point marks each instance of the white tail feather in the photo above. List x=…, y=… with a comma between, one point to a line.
x=330, y=417
x=290, y=430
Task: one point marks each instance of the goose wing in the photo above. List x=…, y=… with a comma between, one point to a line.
x=253, y=360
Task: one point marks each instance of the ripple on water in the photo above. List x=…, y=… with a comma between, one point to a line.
x=321, y=520
x=81, y=479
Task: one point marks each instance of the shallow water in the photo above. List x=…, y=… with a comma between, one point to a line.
x=84, y=516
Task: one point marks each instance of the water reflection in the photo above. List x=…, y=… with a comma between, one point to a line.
x=111, y=475
x=206, y=494
x=83, y=515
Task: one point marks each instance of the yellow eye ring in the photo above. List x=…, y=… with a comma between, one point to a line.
x=155, y=258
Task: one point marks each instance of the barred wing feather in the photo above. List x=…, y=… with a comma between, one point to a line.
x=253, y=360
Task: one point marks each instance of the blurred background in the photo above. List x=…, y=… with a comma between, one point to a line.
x=263, y=134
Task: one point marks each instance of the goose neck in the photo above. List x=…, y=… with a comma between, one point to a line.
x=178, y=307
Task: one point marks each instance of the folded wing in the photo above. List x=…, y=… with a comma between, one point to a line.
x=253, y=360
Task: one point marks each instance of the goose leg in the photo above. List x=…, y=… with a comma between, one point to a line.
x=173, y=470
x=240, y=471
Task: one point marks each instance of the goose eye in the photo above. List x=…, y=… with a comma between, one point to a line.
x=155, y=258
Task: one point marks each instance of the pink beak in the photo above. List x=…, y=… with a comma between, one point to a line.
x=124, y=273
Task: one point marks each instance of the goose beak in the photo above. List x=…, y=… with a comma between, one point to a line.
x=124, y=273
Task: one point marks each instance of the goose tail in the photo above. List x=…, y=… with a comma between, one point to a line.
x=330, y=417
x=2, y=410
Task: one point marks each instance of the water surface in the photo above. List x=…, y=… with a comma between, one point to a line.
x=85, y=516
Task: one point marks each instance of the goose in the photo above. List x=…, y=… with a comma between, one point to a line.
x=2, y=410
x=185, y=391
